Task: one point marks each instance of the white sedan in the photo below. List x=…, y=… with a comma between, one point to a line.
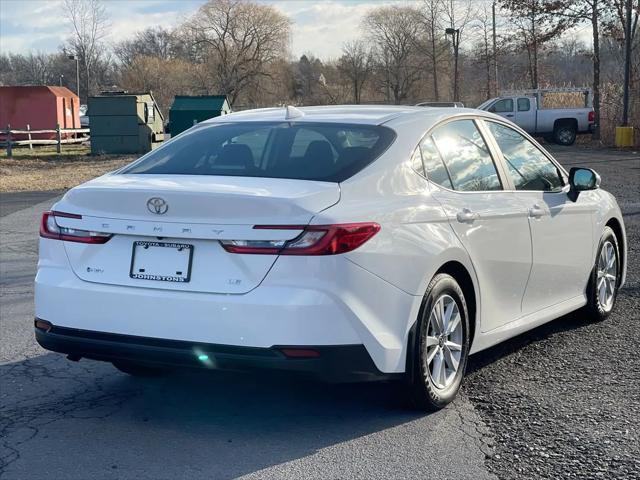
x=350, y=241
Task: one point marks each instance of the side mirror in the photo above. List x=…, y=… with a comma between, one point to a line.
x=581, y=179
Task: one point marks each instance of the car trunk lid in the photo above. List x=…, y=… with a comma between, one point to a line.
x=166, y=228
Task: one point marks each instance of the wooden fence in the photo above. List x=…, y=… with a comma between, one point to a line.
x=9, y=142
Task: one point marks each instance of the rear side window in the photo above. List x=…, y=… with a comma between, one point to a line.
x=524, y=104
x=416, y=162
x=466, y=157
x=436, y=171
x=305, y=151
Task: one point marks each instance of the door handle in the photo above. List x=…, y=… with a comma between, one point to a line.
x=536, y=211
x=509, y=115
x=467, y=216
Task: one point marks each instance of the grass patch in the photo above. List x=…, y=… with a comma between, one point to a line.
x=43, y=169
x=46, y=151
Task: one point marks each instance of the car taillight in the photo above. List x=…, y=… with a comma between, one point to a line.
x=314, y=240
x=49, y=228
x=592, y=116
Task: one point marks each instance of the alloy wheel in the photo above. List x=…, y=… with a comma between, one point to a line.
x=607, y=276
x=565, y=135
x=444, y=341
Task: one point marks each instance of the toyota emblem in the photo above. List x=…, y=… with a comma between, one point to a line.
x=157, y=205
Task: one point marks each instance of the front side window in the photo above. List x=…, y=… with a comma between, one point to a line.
x=502, y=106
x=306, y=151
x=528, y=167
x=466, y=156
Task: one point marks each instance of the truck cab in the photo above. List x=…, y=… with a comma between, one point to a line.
x=560, y=125
x=520, y=110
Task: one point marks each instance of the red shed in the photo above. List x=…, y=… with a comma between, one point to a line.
x=39, y=107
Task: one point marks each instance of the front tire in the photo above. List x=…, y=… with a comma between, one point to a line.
x=441, y=345
x=602, y=290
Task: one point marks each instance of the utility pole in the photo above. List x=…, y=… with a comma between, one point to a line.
x=455, y=36
x=495, y=49
x=627, y=65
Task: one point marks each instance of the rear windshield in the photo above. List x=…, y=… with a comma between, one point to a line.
x=306, y=151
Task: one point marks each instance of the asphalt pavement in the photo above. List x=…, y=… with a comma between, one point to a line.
x=14, y=201
x=561, y=401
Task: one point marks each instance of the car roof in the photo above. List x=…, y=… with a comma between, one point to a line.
x=356, y=114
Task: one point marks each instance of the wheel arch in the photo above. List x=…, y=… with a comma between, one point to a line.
x=614, y=224
x=565, y=121
x=462, y=275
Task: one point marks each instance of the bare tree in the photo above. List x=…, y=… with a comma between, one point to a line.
x=35, y=68
x=538, y=24
x=241, y=38
x=591, y=11
x=165, y=77
x=615, y=19
x=436, y=48
x=484, y=55
x=393, y=32
x=90, y=24
x=151, y=42
x=356, y=64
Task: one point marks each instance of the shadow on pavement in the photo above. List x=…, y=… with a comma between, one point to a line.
x=221, y=424
x=571, y=321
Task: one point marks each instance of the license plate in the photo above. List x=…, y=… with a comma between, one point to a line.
x=165, y=262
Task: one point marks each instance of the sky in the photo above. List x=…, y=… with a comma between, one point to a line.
x=320, y=27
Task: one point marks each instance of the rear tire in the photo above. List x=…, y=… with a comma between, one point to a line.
x=602, y=290
x=565, y=134
x=441, y=345
x=138, y=370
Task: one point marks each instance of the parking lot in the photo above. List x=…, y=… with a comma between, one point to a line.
x=561, y=401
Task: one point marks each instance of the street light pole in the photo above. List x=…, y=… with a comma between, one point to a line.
x=75, y=57
x=61, y=77
x=455, y=37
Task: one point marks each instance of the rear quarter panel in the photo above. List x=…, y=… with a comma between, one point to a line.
x=548, y=117
x=416, y=238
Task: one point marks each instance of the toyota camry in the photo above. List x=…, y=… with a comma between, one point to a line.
x=351, y=242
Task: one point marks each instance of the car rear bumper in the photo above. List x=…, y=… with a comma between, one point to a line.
x=332, y=363
x=335, y=303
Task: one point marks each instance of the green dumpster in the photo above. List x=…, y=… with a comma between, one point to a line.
x=123, y=122
x=186, y=110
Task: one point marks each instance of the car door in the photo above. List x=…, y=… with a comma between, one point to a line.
x=561, y=230
x=505, y=108
x=526, y=114
x=490, y=222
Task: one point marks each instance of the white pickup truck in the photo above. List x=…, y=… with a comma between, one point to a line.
x=560, y=125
